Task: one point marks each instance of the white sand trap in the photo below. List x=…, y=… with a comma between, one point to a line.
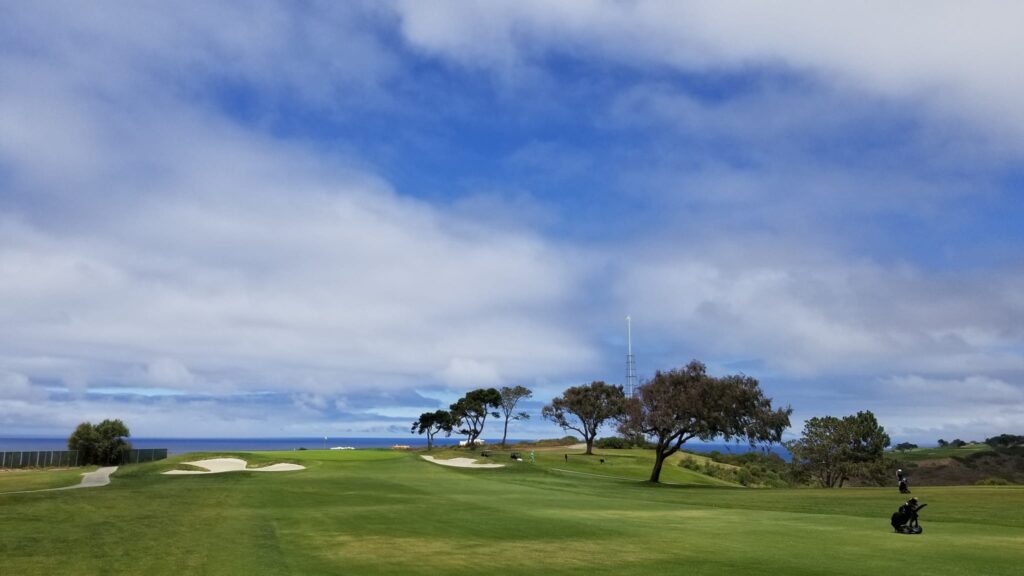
x=218, y=465
x=461, y=462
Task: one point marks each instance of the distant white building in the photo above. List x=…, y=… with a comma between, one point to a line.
x=466, y=442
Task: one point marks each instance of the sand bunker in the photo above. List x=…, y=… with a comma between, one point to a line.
x=218, y=465
x=461, y=462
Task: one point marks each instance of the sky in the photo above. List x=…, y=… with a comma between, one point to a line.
x=273, y=219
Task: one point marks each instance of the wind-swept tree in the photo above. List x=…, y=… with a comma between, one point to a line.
x=510, y=396
x=680, y=405
x=470, y=412
x=430, y=423
x=585, y=408
x=833, y=450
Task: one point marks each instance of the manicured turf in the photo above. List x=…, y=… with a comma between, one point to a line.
x=13, y=480
x=918, y=454
x=381, y=512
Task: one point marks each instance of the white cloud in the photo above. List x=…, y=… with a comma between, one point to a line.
x=150, y=240
x=14, y=386
x=807, y=313
x=150, y=237
x=971, y=390
x=957, y=59
x=469, y=373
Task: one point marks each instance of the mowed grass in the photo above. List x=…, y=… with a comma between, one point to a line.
x=918, y=454
x=29, y=479
x=382, y=512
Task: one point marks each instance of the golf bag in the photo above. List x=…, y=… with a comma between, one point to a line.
x=904, y=520
x=903, y=486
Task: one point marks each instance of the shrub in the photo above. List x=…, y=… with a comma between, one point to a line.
x=753, y=469
x=620, y=443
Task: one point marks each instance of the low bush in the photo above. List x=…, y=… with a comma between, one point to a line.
x=753, y=469
x=620, y=443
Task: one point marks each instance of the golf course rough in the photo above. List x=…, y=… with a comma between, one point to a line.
x=385, y=512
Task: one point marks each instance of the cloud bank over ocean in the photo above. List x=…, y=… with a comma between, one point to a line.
x=328, y=218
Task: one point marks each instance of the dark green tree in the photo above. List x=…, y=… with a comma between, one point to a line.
x=102, y=444
x=430, y=423
x=470, y=412
x=85, y=440
x=904, y=446
x=680, y=405
x=833, y=450
x=510, y=396
x=1004, y=441
x=942, y=443
x=585, y=408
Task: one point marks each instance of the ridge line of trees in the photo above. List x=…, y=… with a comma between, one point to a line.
x=683, y=404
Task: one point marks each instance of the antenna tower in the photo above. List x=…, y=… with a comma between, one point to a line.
x=630, y=361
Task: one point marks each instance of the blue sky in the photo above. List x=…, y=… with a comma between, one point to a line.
x=299, y=219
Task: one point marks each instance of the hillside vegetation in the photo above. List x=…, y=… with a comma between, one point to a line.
x=971, y=464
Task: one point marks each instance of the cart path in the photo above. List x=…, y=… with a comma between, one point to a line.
x=95, y=479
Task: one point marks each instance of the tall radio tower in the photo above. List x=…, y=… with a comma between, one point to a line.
x=630, y=361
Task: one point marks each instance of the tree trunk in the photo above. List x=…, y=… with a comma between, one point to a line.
x=430, y=441
x=659, y=459
x=590, y=445
x=505, y=433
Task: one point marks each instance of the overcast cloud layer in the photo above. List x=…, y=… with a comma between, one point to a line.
x=221, y=220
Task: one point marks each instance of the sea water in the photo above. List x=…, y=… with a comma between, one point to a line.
x=184, y=445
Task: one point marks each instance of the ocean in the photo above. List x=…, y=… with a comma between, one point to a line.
x=185, y=445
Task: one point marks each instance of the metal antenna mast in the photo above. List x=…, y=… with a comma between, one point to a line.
x=630, y=361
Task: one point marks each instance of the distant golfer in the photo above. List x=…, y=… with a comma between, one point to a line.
x=566, y=457
x=901, y=479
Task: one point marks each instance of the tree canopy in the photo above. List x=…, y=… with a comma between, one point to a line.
x=101, y=444
x=1004, y=440
x=430, y=423
x=510, y=396
x=679, y=405
x=470, y=412
x=585, y=408
x=833, y=450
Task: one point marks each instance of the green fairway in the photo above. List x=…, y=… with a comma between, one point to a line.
x=384, y=512
x=918, y=454
x=14, y=480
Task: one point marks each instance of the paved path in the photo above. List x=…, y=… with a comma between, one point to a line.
x=100, y=477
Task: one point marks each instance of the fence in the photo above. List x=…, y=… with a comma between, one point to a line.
x=139, y=455
x=38, y=459
x=66, y=458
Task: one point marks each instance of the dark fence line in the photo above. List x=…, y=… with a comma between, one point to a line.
x=140, y=455
x=68, y=458
x=39, y=459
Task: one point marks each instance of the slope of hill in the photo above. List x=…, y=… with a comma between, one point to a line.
x=963, y=466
